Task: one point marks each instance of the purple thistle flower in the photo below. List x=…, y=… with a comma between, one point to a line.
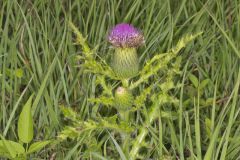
x=125, y=35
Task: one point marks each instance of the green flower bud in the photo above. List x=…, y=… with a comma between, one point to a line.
x=125, y=62
x=123, y=99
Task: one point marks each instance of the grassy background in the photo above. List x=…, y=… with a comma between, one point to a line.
x=38, y=56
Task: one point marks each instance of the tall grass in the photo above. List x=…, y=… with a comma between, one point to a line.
x=38, y=56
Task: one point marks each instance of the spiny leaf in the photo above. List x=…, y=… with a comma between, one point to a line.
x=161, y=61
x=208, y=127
x=69, y=132
x=184, y=41
x=80, y=39
x=97, y=67
x=98, y=125
x=111, y=123
x=140, y=99
x=68, y=112
x=107, y=89
x=90, y=64
x=107, y=101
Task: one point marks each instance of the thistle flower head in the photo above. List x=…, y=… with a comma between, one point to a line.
x=125, y=36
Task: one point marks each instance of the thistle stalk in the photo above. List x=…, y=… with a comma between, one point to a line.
x=143, y=132
x=123, y=103
x=125, y=39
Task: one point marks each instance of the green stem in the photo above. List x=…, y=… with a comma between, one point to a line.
x=125, y=82
x=126, y=140
x=124, y=115
x=143, y=132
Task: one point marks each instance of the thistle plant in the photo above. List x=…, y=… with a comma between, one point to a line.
x=125, y=38
x=123, y=101
x=152, y=101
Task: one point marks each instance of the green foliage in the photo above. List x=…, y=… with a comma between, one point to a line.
x=37, y=146
x=37, y=56
x=166, y=65
x=25, y=123
x=161, y=61
x=14, y=150
x=90, y=64
x=94, y=127
x=197, y=89
x=11, y=149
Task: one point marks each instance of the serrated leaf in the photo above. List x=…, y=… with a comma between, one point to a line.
x=107, y=101
x=80, y=39
x=68, y=112
x=161, y=61
x=184, y=41
x=37, y=146
x=90, y=64
x=208, y=126
x=140, y=99
x=25, y=123
x=111, y=123
x=194, y=80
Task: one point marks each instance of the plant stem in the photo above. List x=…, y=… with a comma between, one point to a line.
x=125, y=83
x=124, y=115
x=143, y=132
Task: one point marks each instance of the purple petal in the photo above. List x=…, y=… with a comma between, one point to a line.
x=125, y=35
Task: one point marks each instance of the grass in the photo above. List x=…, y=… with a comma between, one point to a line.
x=38, y=56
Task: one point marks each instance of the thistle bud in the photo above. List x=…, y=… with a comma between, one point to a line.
x=123, y=99
x=125, y=62
x=125, y=38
